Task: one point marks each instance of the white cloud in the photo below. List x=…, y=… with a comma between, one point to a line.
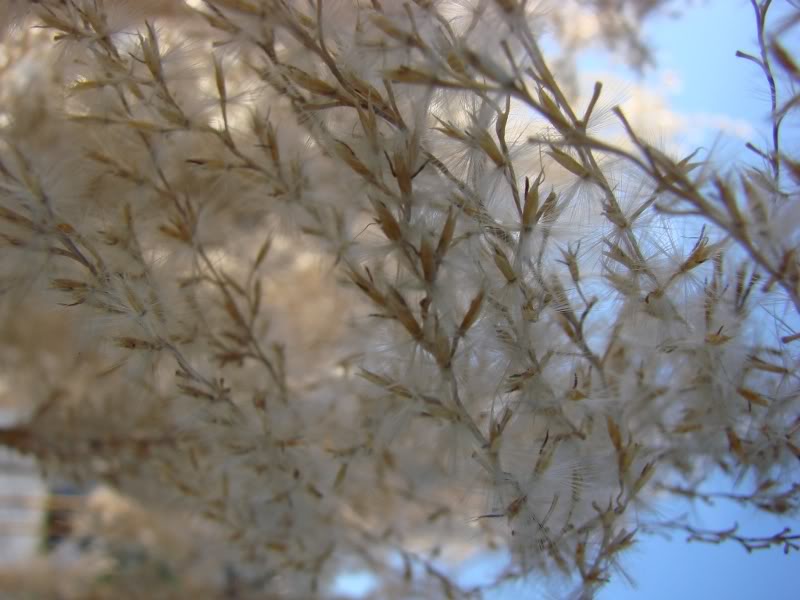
x=649, y=108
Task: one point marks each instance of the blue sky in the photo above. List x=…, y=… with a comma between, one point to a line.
x=668, y=569
x=699, y=48
x=699, y=79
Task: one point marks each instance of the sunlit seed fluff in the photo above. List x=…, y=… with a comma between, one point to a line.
x=364, y=288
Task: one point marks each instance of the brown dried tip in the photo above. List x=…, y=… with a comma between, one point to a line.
x=614, y=433
x=487, y=144
x=67, y=285
x=309, y=83
x=569, y=163
x=132, y=343
x=548, y=210
x=647, y=473
x=735, y=444
x=441, y=350
x=501, y=260
x=347, y=154
x=446, y=236
x=427, y=259
x=508, y=6
x=531, y=207
x=405, y=74
x=368, y=287
x=752, y=397
x=389, y=225
x=403, y=313
x=571, y=261
x=472, y=313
